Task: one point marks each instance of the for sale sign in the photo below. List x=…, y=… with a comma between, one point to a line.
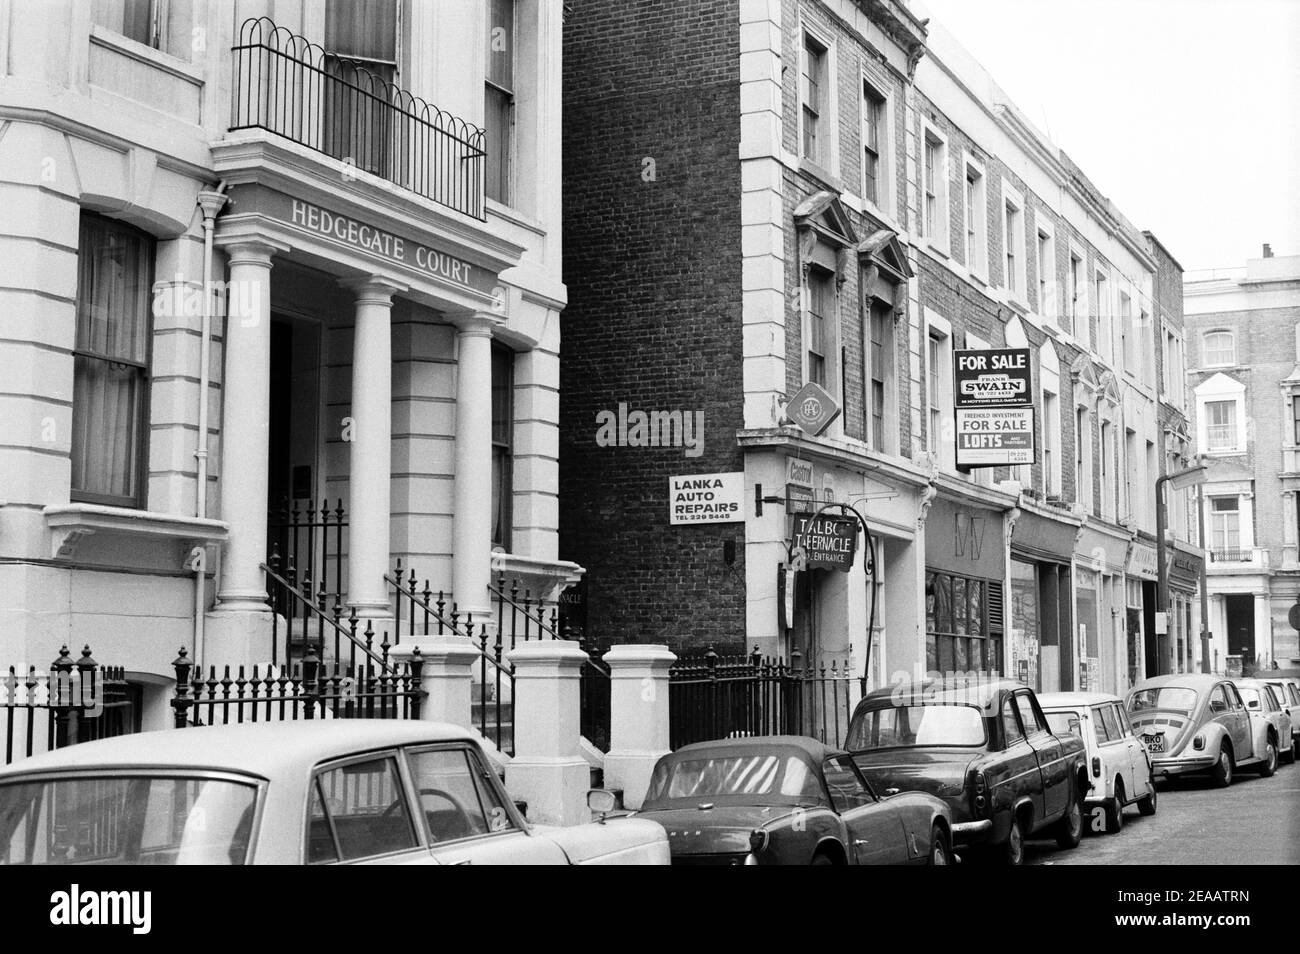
x=995, y=436
x=993, y=377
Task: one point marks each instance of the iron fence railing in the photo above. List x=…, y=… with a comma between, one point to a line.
x=71, y=702
x=306, y=690
x=291, y=87
x=711, y=696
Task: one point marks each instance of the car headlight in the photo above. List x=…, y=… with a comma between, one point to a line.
x=1198, y=743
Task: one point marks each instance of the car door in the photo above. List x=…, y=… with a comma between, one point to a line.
x=875, y=831
x=466, y=816
x=1047, y=749
x=1138, y=782
x=359, y=812
x=1243, y=738
x=1020, y=775
x=1116, y=757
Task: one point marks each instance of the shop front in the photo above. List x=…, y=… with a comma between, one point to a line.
x=1040, y=615
x=1100, y=556
x=1184, y=607
x=965, y=579
x=1148, y=651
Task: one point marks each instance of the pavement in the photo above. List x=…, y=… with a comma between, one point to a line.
x=1253, y=821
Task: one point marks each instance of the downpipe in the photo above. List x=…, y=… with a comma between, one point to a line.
x=210, y=202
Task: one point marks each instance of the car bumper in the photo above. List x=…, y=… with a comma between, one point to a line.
x=1164, y=768
x=972, y=832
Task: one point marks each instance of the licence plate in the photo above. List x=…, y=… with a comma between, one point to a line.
x=1154, y=743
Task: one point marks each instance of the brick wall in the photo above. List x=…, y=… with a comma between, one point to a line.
x=653, y=320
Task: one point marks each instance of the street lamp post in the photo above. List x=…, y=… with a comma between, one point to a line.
x=1179, y=480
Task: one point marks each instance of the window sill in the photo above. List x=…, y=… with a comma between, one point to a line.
x=941, y=250
x=146, y=54
x=829, y=179
x=72, y=523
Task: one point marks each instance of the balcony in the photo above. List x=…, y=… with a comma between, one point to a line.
x=1237, y=559
x=293, y=88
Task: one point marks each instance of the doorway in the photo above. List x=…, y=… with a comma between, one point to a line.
x=1240, y=612
x=295, y=483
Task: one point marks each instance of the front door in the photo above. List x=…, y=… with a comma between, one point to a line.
x=294, y=482
x=1241, y=627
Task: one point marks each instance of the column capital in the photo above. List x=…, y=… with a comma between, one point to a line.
x=373, y=289
x=475, y=323
x=250, y=250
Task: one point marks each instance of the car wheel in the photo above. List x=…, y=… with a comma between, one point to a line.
x=1012, y=851
x=1269, y=765
x=1147, y=806
x=821, y=858
x=1224, y=768
x=1069, y=830
x=1295, y=748
x=1115, y=809
x=940, y=852
x=1289, y=755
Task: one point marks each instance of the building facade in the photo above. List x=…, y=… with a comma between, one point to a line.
x=762, y=196
x=1244, y=383
x=248, y=269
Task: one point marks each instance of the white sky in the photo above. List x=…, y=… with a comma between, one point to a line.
x=1186, y=113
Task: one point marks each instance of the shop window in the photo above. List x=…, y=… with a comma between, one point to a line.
x=499, y=98
x=503, y=361
x=962, y=633
x=111, y=363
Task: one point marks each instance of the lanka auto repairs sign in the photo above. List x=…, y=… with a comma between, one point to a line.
x=994, y=407
x=706, y=498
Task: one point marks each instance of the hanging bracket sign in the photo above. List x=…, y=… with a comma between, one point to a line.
x=828, y=542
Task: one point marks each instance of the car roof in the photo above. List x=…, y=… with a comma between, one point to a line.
x=1066, y=700
x=261, y=749
x=810, y=746
x=933, y=691
x=1249, y=683
x=1187, y=680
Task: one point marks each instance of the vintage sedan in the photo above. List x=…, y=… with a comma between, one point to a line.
x=1288, y=694
x=338, y=792
x=1118, y=763
x=985, y=747
x=787, y=800
x=1192, y=724
x=1269, y=724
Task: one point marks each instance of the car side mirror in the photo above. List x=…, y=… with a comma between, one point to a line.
x=602, y=802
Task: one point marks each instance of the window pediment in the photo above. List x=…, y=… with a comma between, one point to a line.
x=824, y=215
x=883, y=249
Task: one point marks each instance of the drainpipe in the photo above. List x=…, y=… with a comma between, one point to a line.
x=211, y=203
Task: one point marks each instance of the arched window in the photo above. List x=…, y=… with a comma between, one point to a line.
x=1218, y=349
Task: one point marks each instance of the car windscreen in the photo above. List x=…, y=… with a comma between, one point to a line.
x=1064, y=723
x=1169, y=698
x=919, y=725
x=115, y=819
x=761, y=776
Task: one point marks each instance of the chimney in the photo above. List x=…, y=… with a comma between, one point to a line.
x=1268, y=250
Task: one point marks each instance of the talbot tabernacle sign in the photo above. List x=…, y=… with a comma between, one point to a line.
x=993, y=403
x=827, y=542
x=706, y=498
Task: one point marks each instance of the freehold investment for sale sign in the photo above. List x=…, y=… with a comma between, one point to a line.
x=993, y=400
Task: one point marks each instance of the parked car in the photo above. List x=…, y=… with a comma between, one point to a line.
x=985, y=748
x=1269, y=725
x=787, y=800
x=342, y=791
x=1288, y=693
x=1118, y=763
x=1193, y=724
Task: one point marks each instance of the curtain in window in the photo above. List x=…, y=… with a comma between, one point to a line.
x=358, y=125
x=113, y=298
x=502, y=429
x=498, y=102
x=363, y=29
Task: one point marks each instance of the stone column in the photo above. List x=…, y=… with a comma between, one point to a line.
x=638, y=717
x=548, y=770
x=446, y=677
x=245, y=427
x=472, y=492
x=370, y=458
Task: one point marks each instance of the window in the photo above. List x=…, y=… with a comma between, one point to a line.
x=1225, y=527
x=934, y=389
x=1013, y=240
x=358, y=810
x=1082, y=440
x=1073, y=292
x=1295, y=418
x=874, y=144
x=165, y=25
x=1051, y=443
x=962, y=635
x=847, y=788
x=1132, y=474
x=1221, y=425
x=1045, y=265
x=821, y=298
x=1107, y=471
x=361, y=40
x=935, y=212
x=882, y=331
x=499, y=98
x=1127, y=346
x=503, y=364
x=1010, y=725
x=814, y=97
x=1099, y=317
x=1218, y=349
x=111, y=363
x=1028, y=714
x=976, y=227
x=455, y=799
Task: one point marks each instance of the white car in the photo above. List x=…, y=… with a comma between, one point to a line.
x=1269, y=723
x=323, y=792
x=1288, y=694
x=1119, y=765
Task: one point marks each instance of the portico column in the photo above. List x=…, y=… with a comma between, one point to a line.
x=370, y=457
x=245, y=426
x=472, y=494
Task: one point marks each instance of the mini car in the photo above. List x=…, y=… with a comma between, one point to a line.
x=1269, y=724
x=335, y=792
x=985, y=747
x=1118, y=763
x=787, y=800
x=1288, y=694
x=1193, y=723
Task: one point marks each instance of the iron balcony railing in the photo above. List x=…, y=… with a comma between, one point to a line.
x=291, y=87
